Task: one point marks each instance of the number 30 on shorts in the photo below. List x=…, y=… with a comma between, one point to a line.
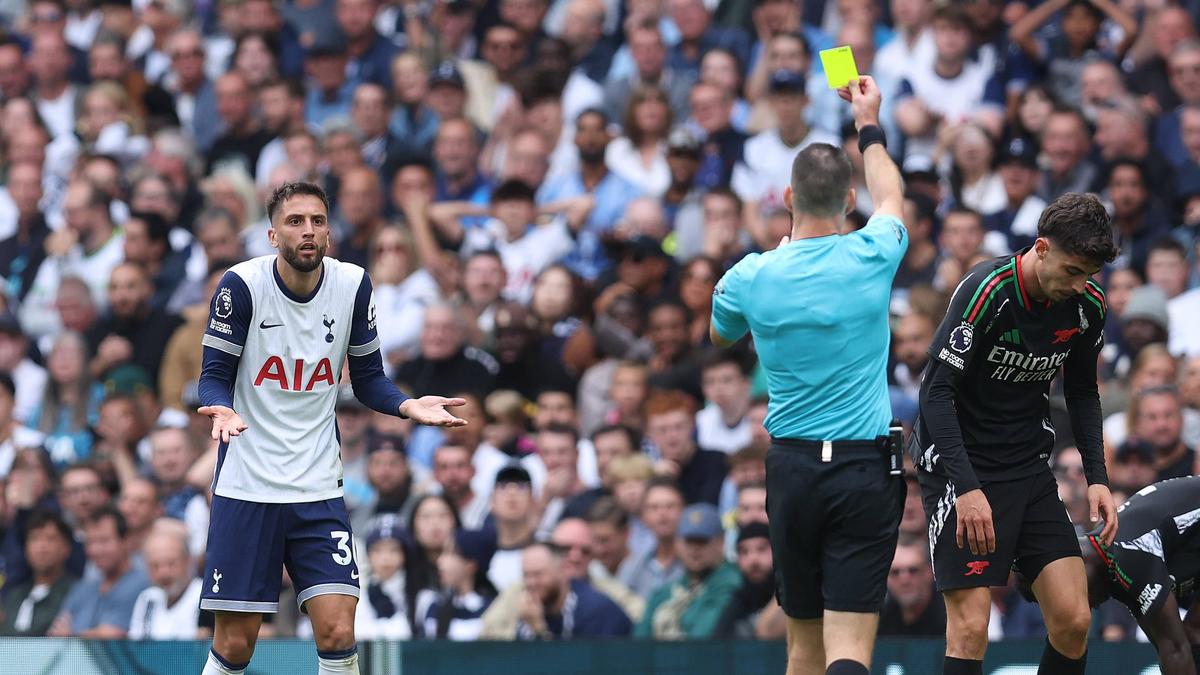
x=345, y=545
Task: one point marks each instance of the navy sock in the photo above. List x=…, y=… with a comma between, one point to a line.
x=954, y=666
x=846, y=667
x=1055, y=662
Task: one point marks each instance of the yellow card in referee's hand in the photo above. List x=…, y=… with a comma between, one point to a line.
x=839, y=66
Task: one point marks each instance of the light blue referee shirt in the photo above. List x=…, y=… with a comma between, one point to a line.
x=818, y=311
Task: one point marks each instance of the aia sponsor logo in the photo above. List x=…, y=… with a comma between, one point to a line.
x=302, y=379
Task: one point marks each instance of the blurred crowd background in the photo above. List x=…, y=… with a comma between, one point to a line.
x=545, y=193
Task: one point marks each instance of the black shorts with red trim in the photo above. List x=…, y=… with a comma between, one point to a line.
x=1031, y=524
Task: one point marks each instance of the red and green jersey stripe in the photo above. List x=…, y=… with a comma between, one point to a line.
x=1093, y=292
x=987, y=290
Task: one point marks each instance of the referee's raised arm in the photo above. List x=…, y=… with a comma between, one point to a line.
x=882, y=174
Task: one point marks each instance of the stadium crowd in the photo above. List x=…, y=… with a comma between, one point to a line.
x=545, y=193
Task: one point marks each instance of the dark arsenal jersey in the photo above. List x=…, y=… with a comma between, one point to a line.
x=985, y=393
x=1157, y=548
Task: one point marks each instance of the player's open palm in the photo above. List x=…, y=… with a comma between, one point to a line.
x=975, y=523
x=431, y=410
x=226, y=423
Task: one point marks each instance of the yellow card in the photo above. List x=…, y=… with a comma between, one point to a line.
x=839, y=66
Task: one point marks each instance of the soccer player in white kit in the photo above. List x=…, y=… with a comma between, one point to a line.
x=280, y=328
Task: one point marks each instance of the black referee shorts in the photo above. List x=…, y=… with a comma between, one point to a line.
x=1031, y=523
x=833, y=525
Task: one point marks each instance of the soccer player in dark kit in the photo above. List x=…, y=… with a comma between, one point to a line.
x=983, y=437
x=1153, y=568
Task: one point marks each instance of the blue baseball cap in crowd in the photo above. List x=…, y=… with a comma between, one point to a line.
x=700, y=521
x=385, y=526
x=446, y=73
x=784, y=81
x=513, y=473
x=378, y=441
x=478, y=546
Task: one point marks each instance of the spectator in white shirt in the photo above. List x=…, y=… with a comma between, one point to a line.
x=170, y=608
x=722, y=424
x=640, y=154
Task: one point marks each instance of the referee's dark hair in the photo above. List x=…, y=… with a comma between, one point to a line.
x=820, y=181
x=1080, y=224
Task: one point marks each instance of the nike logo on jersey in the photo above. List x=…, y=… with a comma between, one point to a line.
x=354, y=574
x=264, y=325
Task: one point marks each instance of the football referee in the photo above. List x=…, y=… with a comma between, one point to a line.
x=817, y=307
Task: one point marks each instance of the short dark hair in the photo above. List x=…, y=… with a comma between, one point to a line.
x=716, y=358
x=953, y=13
x=606, y=510
x=635, y=439
x=561, y=430
x=820, y=180
x=725, y=192
x=43, y=518
x=964, y=211
x=291, y=189
x=157, y=228
x=513, y=190
x=1080, y=224
x=665, y=482
x=1126, y=163
x=109, y=511
x=1169, y=244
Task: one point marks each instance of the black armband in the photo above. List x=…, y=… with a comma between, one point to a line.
x=870, y=135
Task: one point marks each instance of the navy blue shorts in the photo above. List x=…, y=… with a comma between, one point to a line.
x=250, y=543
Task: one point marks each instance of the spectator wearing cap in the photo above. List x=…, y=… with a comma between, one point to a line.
x=1123, y=132
x=691, y=608
x=455, y=611
x=28, y=378
x=649, y=56
x=101, y=606
x=28, y=607
x=24, y=250
x=761, y=175
x=753, y=599
x=453, y=471
x=243, y=137
x=610, y=194
x=1137, y=221
x=681, y=201
x=1017, y=166
x=370, y=54
x=911, y=610
x=383, y=610
x=447, y=96
x=945, y=90
x=169, y=609
x=446, y=363
x=556, y=607
x=1133, y=466
x=132, y=331
x=514, y=512
x=330, y=90
x=13, y=435
x=391, y=477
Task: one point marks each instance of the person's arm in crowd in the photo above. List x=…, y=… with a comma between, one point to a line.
x=416, y=212
x=1128, y=24
x=1022, y=32
x=112, y=351
x=884, y=182
x=912, y=115
x=447, y=218
x=575, y=209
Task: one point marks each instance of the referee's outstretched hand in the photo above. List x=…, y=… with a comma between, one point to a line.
x=431, y=410
x=864, y=98
x=975, y=521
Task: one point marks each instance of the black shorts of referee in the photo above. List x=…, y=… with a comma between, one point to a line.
x=834, y=512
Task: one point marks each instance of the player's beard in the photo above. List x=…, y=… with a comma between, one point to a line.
x=292, y=257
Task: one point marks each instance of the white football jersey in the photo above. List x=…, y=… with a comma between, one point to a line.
x=291, y=354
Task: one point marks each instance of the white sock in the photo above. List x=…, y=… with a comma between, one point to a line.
x=215, y=666
x=338, y=665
